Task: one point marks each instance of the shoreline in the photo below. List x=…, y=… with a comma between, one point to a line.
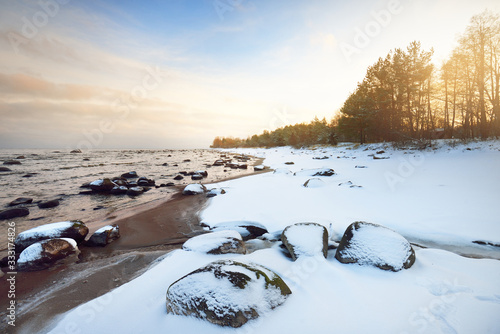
x=148, y=232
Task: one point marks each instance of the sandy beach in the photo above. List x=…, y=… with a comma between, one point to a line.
x=147, y=232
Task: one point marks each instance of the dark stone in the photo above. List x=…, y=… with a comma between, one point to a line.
x=75, y=230
x=21, y=157
x=196, y=177
x=165, y=164
x=145, y=182
x=215, y=303
x=218, y=163
x=12, y=162
x=327, y=172
x=52, y=251
x=130, y=175
x=381, y=152
x=48, y=204
x=30, y=174
x=135, y=191
x=290, y=163
x=5, y=169
x=170, y=184
x=76, y=151
x=187, y=160
x=21, y=200
x=178, y=177
x=14, y=213
x=104, y=236
x=374, y=245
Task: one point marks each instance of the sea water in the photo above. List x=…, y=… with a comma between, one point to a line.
x=51, y=174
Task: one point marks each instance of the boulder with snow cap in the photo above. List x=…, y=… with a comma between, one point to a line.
x=216, y=191
x=104, y=236
x=227, y=293
x=248, y=230
x=305, y=239
x=43, y=254
x=221, y=242
x=314, y=183
x=102, y=185
x=70, y=229
x=194, y=189
x=135, y=191
x=374, y=245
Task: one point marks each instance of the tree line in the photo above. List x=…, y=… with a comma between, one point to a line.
x=404, y=96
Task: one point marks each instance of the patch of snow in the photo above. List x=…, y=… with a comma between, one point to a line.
x=48, y=231
x=194, y=188
x=307, y=239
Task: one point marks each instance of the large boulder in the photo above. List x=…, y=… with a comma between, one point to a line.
x=248, y=230
x=70, y=229
x=194, y=189
x=103, y=236
x=21, y=200
x=221, y=242
x=45, y=253
x=227, y=293
x=14, y=213
x=305, y=239
x=102, y=185
x=374, y=245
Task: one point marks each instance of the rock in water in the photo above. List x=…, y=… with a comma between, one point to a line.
x=5, y=169
x=130, y=175
x=194, y=189
x=70, y=229
x=102, y=185
x=374, y=245
x=222, y=242
x=227, y=293
x=43, y=254
x=103, y=236
x=12, y=162
x=48, y=204
x=21, y=200
x=305, y=239
x=135, y=191
x=14, y=213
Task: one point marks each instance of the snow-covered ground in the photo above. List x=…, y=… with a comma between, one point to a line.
x=446, y=198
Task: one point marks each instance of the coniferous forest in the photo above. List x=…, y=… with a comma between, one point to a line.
x=405, y=96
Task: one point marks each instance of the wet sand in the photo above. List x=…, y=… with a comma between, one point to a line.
x=147, y=233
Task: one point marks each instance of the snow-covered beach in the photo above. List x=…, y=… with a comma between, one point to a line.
x=444, y=200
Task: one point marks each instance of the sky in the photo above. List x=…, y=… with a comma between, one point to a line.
x=174, y=74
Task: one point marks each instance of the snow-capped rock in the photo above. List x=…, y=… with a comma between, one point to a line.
x=248, y=230
x=45, y=253
x=104, y=236
x=215, y=191
x=102, y=185
x=70, y=229
x=305, y=239
x=227, y=293
x=374, y=245
x=314, y=183
x=194, y=189
x=220, y=242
